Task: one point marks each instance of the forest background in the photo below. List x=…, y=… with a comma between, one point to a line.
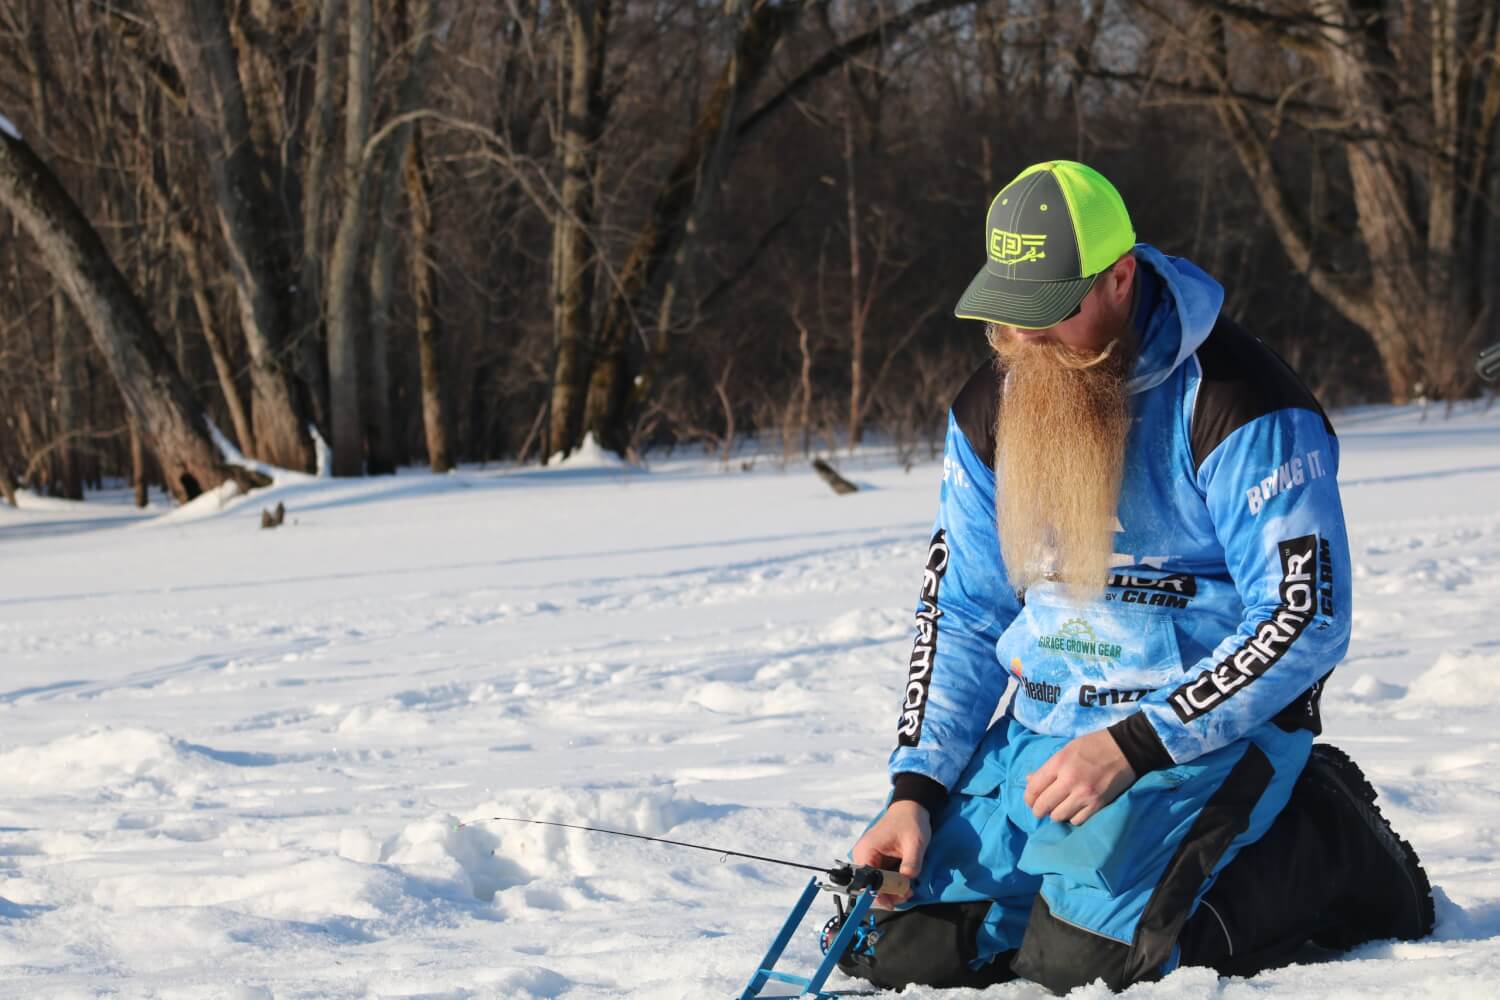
x=481, y=230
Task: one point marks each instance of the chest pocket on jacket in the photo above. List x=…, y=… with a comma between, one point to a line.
x=1071, y=660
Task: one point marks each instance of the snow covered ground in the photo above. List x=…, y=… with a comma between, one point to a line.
x=232, y=760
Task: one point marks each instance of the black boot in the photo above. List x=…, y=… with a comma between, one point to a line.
x=1387, y=894
x=1330, y=871
x=927, y=946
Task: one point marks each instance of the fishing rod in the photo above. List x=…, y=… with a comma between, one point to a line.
x=849, y=879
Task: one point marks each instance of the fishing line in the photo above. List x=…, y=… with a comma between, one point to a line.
x=641, y=836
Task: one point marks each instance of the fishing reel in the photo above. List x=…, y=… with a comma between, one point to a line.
x=853, y=880
x=865, y=933
x=851, y=932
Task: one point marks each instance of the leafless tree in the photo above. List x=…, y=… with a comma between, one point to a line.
x=148, y=379
x=476, y=231
x=196, y=32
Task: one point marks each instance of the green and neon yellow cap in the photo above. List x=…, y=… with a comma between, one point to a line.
x=1049, y=234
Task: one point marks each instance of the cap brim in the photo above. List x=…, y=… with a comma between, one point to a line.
x=1030, y=305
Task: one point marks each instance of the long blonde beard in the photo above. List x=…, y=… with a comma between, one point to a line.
x=1059, y=458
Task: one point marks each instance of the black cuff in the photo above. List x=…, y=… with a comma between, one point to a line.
x=912, y=787
x=1140, y=744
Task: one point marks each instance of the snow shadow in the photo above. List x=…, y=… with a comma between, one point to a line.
x=236, y=758
x=17, y=695
x=74, y=526
x=1457, y=923
x=1410, y=476
x=338, y=929
x=441, y=860
x=864, y=537
x=21, y=911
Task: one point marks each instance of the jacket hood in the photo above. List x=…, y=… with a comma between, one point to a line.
x=1181, y=311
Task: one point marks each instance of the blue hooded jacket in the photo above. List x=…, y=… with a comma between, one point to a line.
x=1229, y=601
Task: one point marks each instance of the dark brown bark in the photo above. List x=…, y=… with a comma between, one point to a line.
x=312, y=357
x=190, y=253
x=375, y=392
x=835, y=482
x=415, y=24
x=7, y=481
x=804, y=382
x=138, y=466
x=647, y=268
x=67, y=412
x=345, y=317
x=574, y=253
x=153, y=390
x=857, y=307
x=424, y=295
x=197, y=35
x=839, y=55
x=65, y=408
x=1407, y=203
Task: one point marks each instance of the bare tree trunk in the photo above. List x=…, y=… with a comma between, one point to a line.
x=186, y=238
x=720, y=127
x=856, y=292
x=192, y=262
x=415, y=22
x=311, y=357
x=7, y=481
x=153, y=390
x=1406, y=202
x=805, y=386
x=375, y=394
x=721, y=389
x=647, y=269
x=66, y=415
x=197, y=34
x=344, y=315
x=575, y=256
x=138, y=466
x=64, y=408
x=64, y=421
x=424, y=293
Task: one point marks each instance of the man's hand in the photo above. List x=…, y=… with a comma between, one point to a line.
x=1080, y=779
x=901, y=834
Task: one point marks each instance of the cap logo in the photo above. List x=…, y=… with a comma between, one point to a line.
x=1016, y=248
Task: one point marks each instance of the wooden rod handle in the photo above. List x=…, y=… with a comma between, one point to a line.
x=895, y=884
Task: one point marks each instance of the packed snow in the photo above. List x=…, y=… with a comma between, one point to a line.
x=9, y=128
x=234, y=762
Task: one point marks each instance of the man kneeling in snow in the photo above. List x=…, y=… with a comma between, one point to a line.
x=1169, y=586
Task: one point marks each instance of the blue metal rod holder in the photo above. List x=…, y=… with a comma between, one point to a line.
x=812, y=986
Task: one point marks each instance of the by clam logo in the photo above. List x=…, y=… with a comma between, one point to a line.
x=1076, y=637
x=1016, y=248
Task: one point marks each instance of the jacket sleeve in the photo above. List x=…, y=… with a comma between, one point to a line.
x=953, y=679
x=1272, y=493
